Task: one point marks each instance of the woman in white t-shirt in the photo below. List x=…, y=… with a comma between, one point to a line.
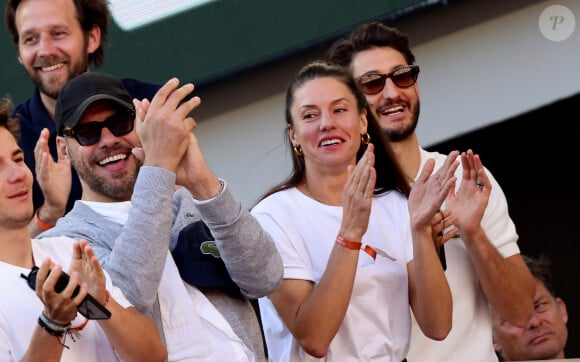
x=357, y=253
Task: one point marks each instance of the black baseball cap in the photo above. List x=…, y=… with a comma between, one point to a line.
x=82, y=91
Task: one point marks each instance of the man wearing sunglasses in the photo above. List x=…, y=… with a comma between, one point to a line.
x=56, y=40
x=483, y=261
x=162, y=223
x=39, y=322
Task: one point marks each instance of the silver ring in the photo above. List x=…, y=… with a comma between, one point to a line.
x=479, y=184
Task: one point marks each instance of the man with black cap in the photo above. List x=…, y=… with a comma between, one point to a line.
x=38, y=320
x=56, y=40
x=147, y=190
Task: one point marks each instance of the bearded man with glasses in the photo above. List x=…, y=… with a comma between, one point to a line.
x=38, y=316
x=166, y=228
x=483, y=262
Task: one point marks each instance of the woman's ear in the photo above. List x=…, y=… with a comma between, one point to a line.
x=292, y=135
x=364, y=123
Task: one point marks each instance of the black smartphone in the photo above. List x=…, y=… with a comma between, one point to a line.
x=90, y=308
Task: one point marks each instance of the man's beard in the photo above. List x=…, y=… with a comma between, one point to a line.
x=402, y=134
x=52, y=90
x=119, y=188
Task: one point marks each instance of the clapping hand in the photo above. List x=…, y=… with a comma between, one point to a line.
x=357, y=196
x=54, y=178
x=468, y=204
x=429, y=191
x=85, y=263
x=164, y=125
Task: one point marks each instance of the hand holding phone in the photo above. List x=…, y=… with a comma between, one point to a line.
x=90, y=308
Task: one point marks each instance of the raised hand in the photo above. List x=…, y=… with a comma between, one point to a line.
x=469, y=202
x=54, y=179
x=164, y=125
x=86, y=265
x=357, y=196
x=58, y=307
x=429, y=191
x=442, y=227
x=194, y=173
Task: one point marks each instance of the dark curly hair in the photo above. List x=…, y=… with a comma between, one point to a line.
x=369, y=36
x=7, y=121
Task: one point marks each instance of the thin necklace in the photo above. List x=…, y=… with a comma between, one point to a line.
x=312, y=196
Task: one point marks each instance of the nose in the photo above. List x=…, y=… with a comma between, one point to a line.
x=46, y=46
x=534, y=322
x=391, y=91
x=17, y=173
x=107, y=137
x=326, y=121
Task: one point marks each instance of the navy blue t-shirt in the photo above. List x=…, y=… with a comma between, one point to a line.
x=34, y=117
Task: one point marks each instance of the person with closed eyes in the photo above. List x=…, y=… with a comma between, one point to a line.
x=545, y=334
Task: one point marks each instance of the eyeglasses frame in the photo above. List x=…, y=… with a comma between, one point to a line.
x=412, y=68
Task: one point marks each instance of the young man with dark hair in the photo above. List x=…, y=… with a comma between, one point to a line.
x=484, y=266
x=45, y=326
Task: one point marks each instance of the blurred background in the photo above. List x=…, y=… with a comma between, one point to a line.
x=500, y=77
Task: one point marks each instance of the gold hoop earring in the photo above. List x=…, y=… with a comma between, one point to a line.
x=298, y=150
x=365, y=138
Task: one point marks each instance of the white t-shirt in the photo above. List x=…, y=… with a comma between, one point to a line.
x=186, y=313
x=470, y=338
x=377, y=323
x=20, y=309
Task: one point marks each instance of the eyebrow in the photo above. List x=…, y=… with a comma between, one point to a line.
x=373, y=71
x=332, y=102
x=17, y=152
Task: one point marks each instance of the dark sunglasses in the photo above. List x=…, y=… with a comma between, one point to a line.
x=89, y=133
x=403, y=77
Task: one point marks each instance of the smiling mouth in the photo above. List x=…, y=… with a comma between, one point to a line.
x=19, y=194
x=51, y=68
x=112, y=159
x=330, y=142
x=392, y=110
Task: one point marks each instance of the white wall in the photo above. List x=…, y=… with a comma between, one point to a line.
x=494, y=71
x=470, y=78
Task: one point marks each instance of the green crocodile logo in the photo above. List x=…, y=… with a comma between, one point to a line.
x=210, y=247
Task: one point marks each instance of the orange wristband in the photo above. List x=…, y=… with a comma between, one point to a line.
x=349, y=244
x=107, y=297
x=41, y=224
x=371, y=251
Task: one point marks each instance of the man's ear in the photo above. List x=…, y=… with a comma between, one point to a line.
x=61, y=148
x=563, y=310
x=93, y=39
